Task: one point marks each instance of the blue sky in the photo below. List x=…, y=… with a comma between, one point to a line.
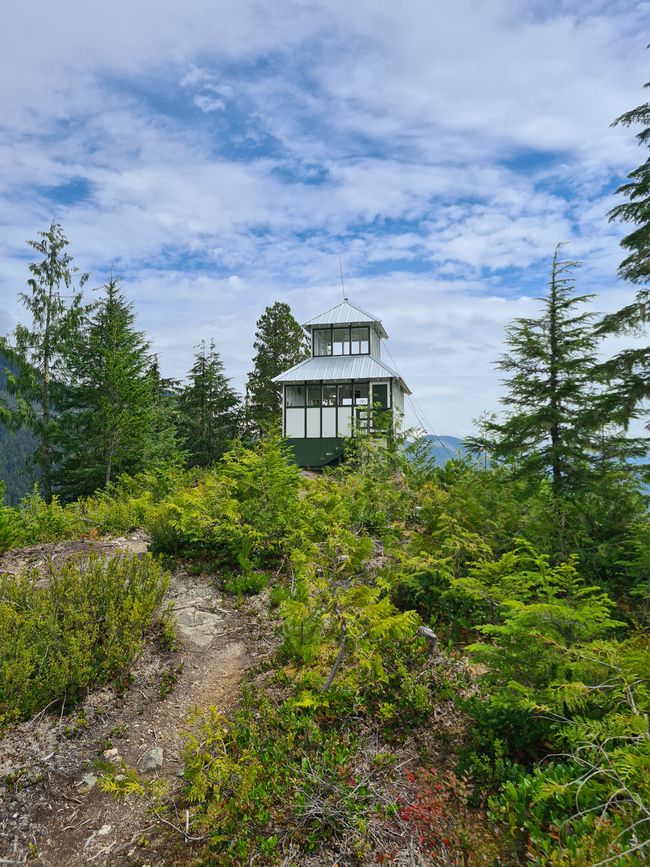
x=222, y=155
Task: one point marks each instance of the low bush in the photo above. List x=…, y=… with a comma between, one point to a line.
x=80, y=626
x=39, y=521
x=126, y=504
x=8, y=524
x=245, y=513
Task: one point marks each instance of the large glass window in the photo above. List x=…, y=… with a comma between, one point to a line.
x=341, y=394
x=295, y=395
x=361, y=393
x=323, y=341
x=341, y=341
x=345, y=395
x=313, y=395
x=360, y=341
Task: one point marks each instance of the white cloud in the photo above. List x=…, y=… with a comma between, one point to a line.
x=232, y=151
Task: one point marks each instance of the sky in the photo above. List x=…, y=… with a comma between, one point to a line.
x=220, y=155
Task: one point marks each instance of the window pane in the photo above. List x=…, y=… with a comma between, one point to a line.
x=345, y=395
x=322, y=343
x=295, y=395
x=362, y=418
x=361, y=393
x=380, y=395
x=340, y=341
x=360, y=341
x=313, y=395
x=329, y=395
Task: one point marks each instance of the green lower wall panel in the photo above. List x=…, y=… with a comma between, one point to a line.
x=316, y=452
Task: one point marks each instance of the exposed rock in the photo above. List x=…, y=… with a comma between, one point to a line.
x=151, y=760
x=111, y=755
x=89, y=780
x=196, y=608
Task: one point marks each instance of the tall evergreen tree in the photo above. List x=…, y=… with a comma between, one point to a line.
x=549, y=426
x=629, y=371
x=38, y=350
x=209, y=409
x=163, y=446
x=280, y=342
x=107, y=419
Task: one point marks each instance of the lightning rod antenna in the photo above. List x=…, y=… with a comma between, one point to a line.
x=342, y=283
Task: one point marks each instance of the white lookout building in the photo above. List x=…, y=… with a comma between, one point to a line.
x=342, y=388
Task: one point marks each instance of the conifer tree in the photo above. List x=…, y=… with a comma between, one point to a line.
x=38, y=351
x=163, y=445
x=550, y=400
x=107, y=418
x=628, y=371
x=280, y=342
x=209, y=409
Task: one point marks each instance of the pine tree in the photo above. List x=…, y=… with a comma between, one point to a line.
x=209, y=409
x=38, y=351
x=550, y=399
x=628, y=371
x=107, y=418
x=280, y=342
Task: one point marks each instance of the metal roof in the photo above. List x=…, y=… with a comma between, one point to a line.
x=339, y=368
x=346, y=313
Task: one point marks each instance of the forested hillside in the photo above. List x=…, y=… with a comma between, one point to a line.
x=16, y=448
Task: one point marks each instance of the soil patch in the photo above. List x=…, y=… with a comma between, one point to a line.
x=51, y=809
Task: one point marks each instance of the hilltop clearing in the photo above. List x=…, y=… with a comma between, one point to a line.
x=289, y=711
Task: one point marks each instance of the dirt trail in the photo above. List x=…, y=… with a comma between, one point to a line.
x=50, y=806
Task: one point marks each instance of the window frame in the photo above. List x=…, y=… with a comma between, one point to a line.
x=302, y=386
x=365, y=415
x=346, y=342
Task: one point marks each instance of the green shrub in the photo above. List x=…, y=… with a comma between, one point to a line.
x=247, y=583
x=275, y=779
x=246, y=513
x=114, y=515
x=126, y=504
x=9, y=532
x=40, y=521
x=80, y=626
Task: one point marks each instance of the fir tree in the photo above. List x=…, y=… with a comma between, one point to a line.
x=38, y=351
x=628, y=371
x=209, y=409
x=163, y=445
x=636, y=266
x=549, y=402
x=107, y=419
x=280, y=342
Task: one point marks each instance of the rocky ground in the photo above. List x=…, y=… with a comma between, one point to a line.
x=51, y=808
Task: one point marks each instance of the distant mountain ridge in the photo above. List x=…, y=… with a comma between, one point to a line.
x=444, y=448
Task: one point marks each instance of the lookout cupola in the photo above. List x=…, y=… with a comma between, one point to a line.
x=344, y=387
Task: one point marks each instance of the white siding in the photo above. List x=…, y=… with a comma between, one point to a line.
x=375, y=344
x=345, y=421
x=313, y=422
x=294, y=422
x=398, y=398
x=329, y=421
